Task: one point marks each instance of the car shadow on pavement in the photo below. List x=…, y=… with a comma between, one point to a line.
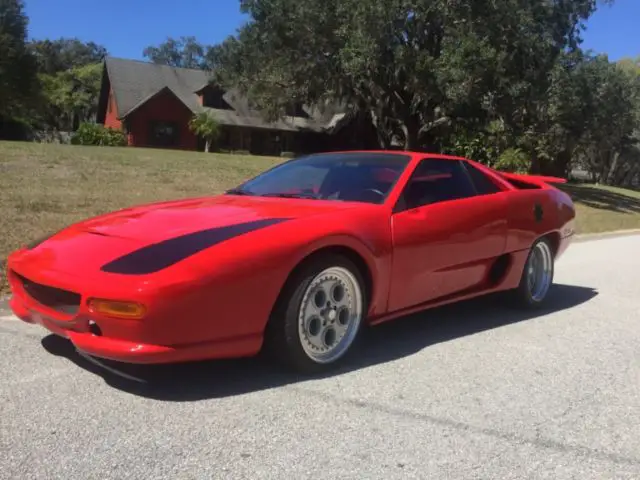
x=384, y=343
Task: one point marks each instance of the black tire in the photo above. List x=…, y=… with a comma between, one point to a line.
x=282, y=340
x=522, y=296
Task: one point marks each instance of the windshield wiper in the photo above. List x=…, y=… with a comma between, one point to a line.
x=238, y=191
x=291, y=195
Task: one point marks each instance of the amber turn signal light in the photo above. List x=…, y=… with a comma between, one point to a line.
x=119, y=309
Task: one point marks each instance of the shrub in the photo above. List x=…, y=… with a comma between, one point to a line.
x=96, y=134
x=513, y=160
x=205, y=126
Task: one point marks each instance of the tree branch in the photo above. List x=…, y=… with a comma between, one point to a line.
x=436, y=123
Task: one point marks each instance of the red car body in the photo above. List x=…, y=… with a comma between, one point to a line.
x=212, y=296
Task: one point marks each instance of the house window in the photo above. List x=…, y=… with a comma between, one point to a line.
x=296, y=110
x=164, y=134
x=213, y=98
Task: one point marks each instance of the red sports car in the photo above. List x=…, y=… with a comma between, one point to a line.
x=297, y=259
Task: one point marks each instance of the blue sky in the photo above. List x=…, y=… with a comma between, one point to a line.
x=125, y=27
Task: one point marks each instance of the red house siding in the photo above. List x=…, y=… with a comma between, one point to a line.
x=111, y=117
x=165, y=107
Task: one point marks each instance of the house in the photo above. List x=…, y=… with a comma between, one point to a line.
x=153, y=104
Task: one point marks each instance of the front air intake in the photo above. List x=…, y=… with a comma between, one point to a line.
x=63, y=301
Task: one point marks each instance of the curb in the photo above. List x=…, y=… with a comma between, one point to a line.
x=585, y=237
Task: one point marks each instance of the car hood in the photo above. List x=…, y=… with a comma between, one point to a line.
x=160, y=221
x=88, y=247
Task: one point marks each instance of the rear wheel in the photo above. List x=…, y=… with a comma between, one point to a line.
x=319, y=316
x=537, y=275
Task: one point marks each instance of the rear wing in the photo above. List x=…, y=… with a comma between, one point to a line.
x=531, y=181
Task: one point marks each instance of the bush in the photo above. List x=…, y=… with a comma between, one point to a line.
x=96, y=134
x=513, y=160
x=288, y=154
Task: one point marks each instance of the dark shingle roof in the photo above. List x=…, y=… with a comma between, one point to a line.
x=134, y=82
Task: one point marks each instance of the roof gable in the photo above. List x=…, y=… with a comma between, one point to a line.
x=153, y=95
x=135, y=82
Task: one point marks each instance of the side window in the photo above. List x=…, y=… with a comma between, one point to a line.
x=434, y=181
x=484, y=185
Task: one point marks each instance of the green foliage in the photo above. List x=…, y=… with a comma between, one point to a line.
x=54, y=56
x=417, y=66
x=631, y=65
x=502, y=82
x=184, y=52
x=70, y=73
x=204, y=125
x=96, y=134
x=513, y=160
x=478, y=142
x=18, y=81
x=71, y=96
x=596, y=113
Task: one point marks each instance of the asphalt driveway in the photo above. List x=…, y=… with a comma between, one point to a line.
x=470, y=391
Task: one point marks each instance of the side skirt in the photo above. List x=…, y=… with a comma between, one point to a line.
x=503, y=275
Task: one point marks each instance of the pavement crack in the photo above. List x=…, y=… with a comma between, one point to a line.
x=538, y=441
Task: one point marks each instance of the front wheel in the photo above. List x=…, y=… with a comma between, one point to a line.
x=319, y=315
x=537, y=276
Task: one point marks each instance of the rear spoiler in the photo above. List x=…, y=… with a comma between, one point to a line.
x=535, y=179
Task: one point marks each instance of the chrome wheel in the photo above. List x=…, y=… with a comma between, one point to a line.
x=539, y=271
x=330, y=315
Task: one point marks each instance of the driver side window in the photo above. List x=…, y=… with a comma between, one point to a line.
x=434, y=181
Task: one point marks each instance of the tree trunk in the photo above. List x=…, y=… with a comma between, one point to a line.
x=207, y=145
x=534, y=168
x=609, y=179
x=382, y=139
x=381, y=131
x=562, y=164
x=411, y=139
x=411, y=131
x=603, y=168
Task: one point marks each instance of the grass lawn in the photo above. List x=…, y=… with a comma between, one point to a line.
x=604, y=209
x=45, y=187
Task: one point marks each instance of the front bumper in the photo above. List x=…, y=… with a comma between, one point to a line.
x=173, y=329
x=107, y=338
x=79, y=332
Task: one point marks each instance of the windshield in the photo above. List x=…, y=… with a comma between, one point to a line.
x=354, y=177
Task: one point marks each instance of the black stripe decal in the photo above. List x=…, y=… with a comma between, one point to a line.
x=155, y=257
